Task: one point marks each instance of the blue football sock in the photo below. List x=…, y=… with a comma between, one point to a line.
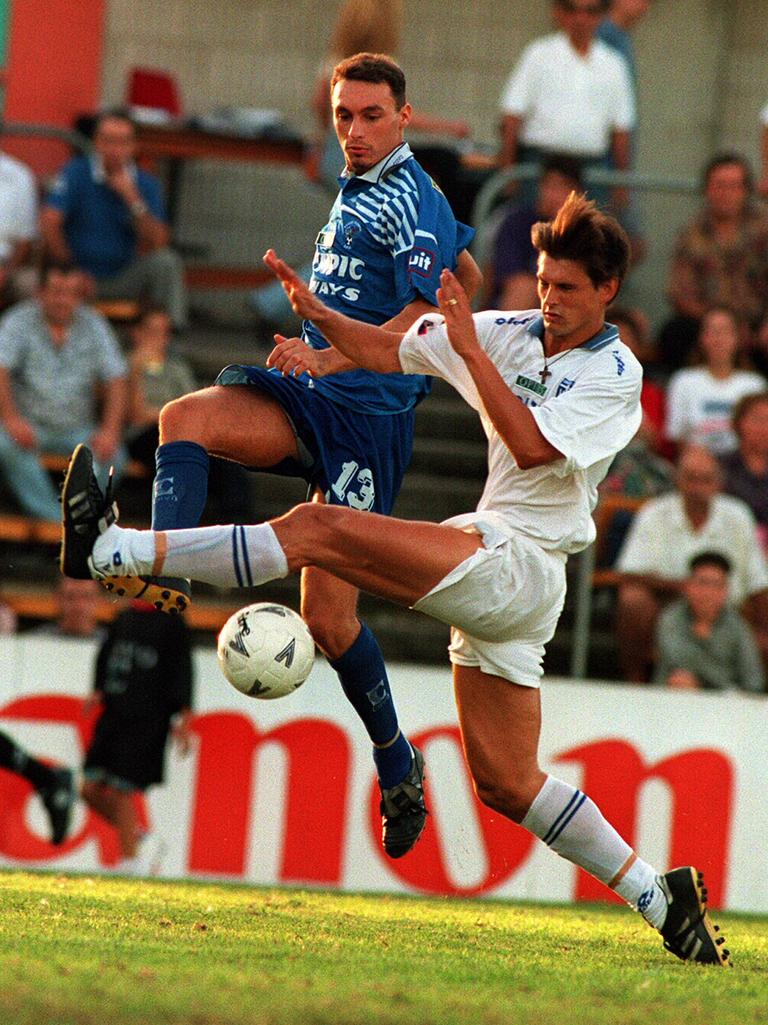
x=364, y=680
x=181, y=485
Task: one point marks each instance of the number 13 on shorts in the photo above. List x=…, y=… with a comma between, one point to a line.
x=354, y=485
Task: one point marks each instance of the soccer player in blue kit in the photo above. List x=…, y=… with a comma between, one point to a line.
x=347, y=431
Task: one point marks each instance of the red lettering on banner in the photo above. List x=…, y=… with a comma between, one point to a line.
x=316, y=795
x=16, y=839
x=505, y=844
x=701, y=782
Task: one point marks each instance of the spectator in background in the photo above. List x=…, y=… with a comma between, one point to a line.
x=570, y=93
x=513, y=282
x=56, y=787
x=157, y=376
x=663, y=537
x=701, y=642
x=745, y=470
x=700, y=399
x=18, y=229
x=143, y=686
x=616, y=31
x=77, y=607
x=107, y=216
x=720, y=259
x=62, y=381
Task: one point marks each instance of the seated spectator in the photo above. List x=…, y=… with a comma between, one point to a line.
x=77, y=606
x=701, y=642
x=663, y=537
x=157, y=376
x=62, y=382
x=720, y=259
x=512, y=284
x=18, y=229
x=700, y=399
x=745, y=470
x=107, y=216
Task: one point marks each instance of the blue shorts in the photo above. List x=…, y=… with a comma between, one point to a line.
x=355, y=459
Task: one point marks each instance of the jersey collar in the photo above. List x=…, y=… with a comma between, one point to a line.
x=374, y=174
x=606, y=336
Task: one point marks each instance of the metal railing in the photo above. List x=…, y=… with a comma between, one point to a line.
x=490, y=190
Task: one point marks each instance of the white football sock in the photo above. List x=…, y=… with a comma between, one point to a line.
x=572, y=825
x=225, y=556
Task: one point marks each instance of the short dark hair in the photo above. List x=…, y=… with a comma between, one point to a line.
x=710, y=559
x=722, y=159
x=51, y=266
x=563, y=164
x=604, y=5
x=583, y=233
x=375, y=68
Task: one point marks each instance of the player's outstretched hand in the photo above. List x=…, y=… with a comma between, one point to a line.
x=292, y=356
x=304, y=303
x=454, y=306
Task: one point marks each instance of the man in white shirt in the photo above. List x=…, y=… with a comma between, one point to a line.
x=664, y=536
x=558, y=394
x=18, y=228
x=570, y=93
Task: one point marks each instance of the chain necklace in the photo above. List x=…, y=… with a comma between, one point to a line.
x=546, y=372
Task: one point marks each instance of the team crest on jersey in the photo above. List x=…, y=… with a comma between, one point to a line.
x=351, y=228
x=565, y=385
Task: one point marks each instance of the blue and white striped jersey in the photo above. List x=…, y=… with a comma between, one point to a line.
x=389, y=235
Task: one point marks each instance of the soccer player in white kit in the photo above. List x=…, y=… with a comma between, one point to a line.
x=558, y=394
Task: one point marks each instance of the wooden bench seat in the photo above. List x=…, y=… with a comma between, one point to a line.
x=39, y=603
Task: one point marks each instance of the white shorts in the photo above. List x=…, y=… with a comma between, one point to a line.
x=502, y=604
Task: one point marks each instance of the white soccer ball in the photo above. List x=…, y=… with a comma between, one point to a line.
x=265, y=650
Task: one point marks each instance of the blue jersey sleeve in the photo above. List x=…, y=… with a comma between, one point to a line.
x=427, y=240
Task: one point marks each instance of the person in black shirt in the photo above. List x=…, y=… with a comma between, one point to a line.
x=143, y=682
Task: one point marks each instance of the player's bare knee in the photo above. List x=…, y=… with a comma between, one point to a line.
x=332, y=633
x=178, y=418
x=508, y=797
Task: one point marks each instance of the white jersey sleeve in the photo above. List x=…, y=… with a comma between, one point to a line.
x=598, y=414
x=425, y=349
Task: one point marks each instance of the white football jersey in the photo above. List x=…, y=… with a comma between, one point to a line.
x=587, y=407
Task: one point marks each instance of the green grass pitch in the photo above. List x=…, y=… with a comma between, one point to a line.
x=77, y=950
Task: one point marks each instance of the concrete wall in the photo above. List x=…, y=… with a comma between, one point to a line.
x=703, y=81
